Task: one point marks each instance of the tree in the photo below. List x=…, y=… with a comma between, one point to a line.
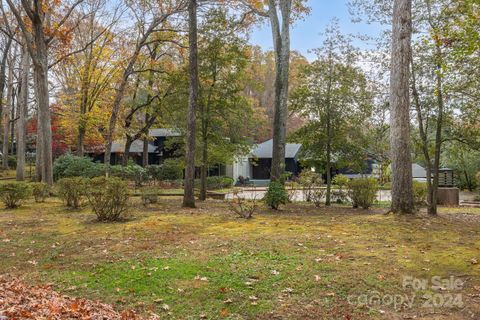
x=39, y=29
x=466, y=163
x=430, y=110
x=146, y=28
x=22, y=114
x=402, y=185
x=156, y=83
x=224, y=114
x=261, y=69
x=335, y=101
x=280, y=16
x=8, y=36
x=9, y=106
x=189, y=196
x=87, y=75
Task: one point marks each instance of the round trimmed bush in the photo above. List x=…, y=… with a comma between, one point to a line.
x=363, y=192
x=149, y=195
x=14, y=193
x=72, y=191
x=40, y=191
x=69, y=165
x=276, y=195
x=108, y=198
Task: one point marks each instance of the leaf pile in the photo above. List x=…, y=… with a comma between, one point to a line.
x=19, y=301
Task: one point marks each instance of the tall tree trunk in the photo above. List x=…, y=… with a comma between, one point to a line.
x=82, y=123
x=22, y=116
x=205, y=114
x=116, y=108
x=204, y=170
x=432, y=210
x=13, y=115
x=44, y=129
x=145, y=152
x=189, y=194
x=423, y=133
x=3, y=72
x=126, y=153
x=328, y=198
x=402, y=189
x=81, y=139
x=6, y=115
x=281, y=40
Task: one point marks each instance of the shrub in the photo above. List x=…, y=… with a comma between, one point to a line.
x=420, y=193
x=276, y=195
x=291, y=187
x=69, y=165
x=215, y=183
x=132, y=172
x=154, y=172
x=12, y=162
x=149, y=196
x=363, y=192
x=108, y=198
x=309, y=180
x=341, y=182
x=14, y=193
x=317, y=196
x=171, y=170
x=72, y=191
x=244, y=208
x=41, y=191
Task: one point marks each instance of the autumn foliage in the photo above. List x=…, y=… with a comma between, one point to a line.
x=20, y=301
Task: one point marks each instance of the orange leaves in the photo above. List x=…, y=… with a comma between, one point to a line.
x=22, y=302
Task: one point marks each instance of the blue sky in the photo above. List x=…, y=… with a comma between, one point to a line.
x=306, y=34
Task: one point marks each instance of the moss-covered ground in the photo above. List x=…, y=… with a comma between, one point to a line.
x=298, y=263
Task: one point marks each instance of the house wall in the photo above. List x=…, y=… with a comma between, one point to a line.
x=241, y=167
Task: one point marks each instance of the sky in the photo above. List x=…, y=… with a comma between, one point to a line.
x=306, y=35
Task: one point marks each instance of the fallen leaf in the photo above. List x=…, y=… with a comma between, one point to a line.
x=165, y=307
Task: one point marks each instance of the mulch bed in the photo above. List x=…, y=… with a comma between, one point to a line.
x=20, y=301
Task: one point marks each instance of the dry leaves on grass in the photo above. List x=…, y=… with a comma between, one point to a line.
x=19, y=301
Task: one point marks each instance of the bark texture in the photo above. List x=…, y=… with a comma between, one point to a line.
x=281, y=41
x=22, y=116
x=37, y=45
x=189, y=194
x=6, y=114
x=3, y=72
x=402, y=190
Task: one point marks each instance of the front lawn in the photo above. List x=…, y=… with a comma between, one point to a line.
x=299, y=263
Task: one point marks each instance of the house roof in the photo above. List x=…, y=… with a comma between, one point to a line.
x=136, y=147
x=418, y=171
x=163, y=132
x=264, y=150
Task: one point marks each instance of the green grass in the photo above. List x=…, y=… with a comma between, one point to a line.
x=298, y=262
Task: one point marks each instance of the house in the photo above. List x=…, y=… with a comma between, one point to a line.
x=371, y=169
x=419, y=173
x=256, y=166
x=158, y=150
x=446, y=176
